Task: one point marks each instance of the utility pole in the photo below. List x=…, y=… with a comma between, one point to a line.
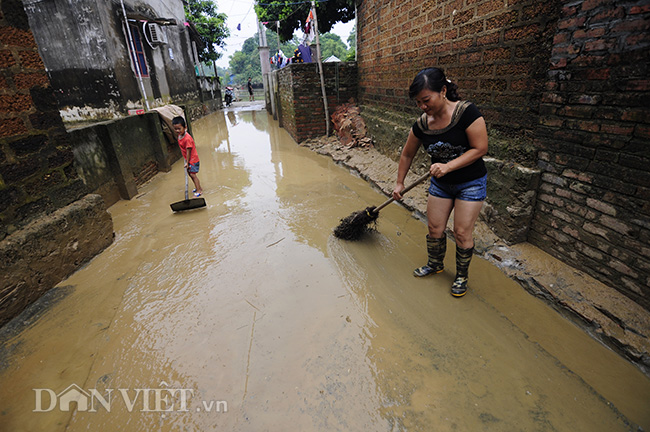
x=264, y=62
x=320, y=69
x=356, y=32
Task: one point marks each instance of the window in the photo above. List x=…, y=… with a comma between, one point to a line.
x=139, y=52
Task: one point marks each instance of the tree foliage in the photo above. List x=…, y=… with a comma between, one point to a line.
x=292, y=16
x=332, y=45
x=224, y=74
x=352, y=38
x=210, y=24
x=352, y=42
x=246, y=63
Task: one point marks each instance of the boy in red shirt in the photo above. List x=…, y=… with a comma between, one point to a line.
x=188, y=149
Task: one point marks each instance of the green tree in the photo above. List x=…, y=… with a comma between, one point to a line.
x=224, y=75
x=210, y=24
x=293, y=16
x=352, y=42
x=332, y=45
x=246, y=63
x=352, y=38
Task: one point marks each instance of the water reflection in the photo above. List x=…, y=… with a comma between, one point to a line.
x=232, y=118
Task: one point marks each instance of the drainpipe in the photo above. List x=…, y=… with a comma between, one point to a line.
x=320, y=69
x=131, y=49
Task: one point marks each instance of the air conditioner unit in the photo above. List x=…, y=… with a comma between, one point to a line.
x=157, y=33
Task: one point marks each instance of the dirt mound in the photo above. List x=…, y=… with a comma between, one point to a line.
x=349, y=126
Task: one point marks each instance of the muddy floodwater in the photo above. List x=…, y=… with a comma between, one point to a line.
x=249, y=315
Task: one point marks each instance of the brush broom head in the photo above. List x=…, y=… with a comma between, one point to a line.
x=188, y=204
x=357, y=224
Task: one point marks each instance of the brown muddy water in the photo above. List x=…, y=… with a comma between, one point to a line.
x=250, y=316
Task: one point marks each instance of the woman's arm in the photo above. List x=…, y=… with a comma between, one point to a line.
x=405, y=160
x=478, y=143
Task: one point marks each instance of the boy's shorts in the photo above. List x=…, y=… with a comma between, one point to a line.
x=473, y=190
x=193, y=168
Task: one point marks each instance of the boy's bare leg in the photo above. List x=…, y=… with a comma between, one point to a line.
x=197, y=183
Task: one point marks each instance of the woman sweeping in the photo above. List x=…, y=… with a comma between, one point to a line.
x=454, y=134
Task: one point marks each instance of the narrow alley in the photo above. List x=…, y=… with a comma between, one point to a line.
x=249, y=315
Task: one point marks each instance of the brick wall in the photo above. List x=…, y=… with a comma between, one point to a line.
x=301, y=98
x=594, y=204
x=495, y=51
x=36, y=170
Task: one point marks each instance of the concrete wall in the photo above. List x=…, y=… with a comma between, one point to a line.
x=563, y=87
x=115, y=157
x=49, y=227
x=93, y=163
x=301, y=98
x=209, y=98
x=83, y=44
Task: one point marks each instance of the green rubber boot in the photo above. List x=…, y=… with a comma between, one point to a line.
x=463, y=258
x=436, y=249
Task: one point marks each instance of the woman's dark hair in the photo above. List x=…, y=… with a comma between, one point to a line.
x=179, y=121
x=433, y=79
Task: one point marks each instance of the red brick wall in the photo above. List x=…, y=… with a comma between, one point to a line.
x=594, y=204
x=36, y=171
x=301, y=97
x=496, y=51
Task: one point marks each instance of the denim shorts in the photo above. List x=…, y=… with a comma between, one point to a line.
x=193, y=168
x=474, y=190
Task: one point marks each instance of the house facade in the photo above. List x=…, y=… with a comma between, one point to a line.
x=106, y=58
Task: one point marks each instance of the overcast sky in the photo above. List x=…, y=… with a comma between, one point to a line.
x=242, y=12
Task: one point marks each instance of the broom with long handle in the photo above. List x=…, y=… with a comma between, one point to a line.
x=358, y=223
x=188, y=203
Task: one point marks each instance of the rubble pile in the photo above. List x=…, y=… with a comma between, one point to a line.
x=349, y=126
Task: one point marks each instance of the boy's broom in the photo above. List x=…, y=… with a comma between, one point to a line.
x=358, y=223
x=188, y=203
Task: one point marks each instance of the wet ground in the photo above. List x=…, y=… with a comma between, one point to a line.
x=250, y=316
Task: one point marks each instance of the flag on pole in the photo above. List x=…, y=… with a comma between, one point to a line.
x=310, y=33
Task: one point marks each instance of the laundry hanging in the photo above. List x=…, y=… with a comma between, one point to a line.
x=305, y=52
x=279, y=60
x=297, y=57
x=310, y=31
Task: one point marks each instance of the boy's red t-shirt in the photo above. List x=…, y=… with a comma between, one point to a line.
x=186, y=142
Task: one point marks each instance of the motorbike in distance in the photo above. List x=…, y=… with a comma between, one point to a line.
x=229, y=97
